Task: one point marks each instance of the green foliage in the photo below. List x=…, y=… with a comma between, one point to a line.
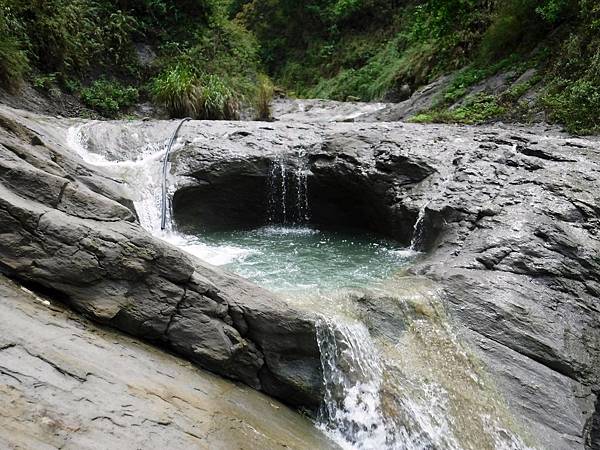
x=317, y=48
x=576, y=104
x=573, y=94
x=13, y=60
x=71, y=36
x=367, y=49
x=44, y=82
x=217, y=99
x=109, y=97
x=553, y=10
x=474, y=74
x=208, y=76
x=439, y=18
x=69, y=42
x=479, y=109
x=515, y=26
x=176, y=90
x=211, y=52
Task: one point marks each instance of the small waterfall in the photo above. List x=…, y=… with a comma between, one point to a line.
x=288, y=191
x=355, y=412
x=378, y=397
x=417, y=236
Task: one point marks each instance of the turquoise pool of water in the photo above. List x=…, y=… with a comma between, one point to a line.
x=292, y=259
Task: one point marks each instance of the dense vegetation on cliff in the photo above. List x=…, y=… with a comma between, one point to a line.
x=194, y=59
x=383, y=49
x=210, y=54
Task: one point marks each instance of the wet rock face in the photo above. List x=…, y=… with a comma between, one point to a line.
x=66, y=383
x=66, y=228
x=350, y=181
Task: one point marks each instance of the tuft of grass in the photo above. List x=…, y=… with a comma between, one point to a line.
x=183, y=93
x=109, y=98
x=264, y=96
x=177, y=90
x=217, y=99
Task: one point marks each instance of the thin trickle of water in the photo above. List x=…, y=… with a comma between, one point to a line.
x=301, y=181
x=283, y=202
x=417, y=237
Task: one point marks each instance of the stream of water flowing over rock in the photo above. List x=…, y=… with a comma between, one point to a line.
x=288, y=192
x=417, y=390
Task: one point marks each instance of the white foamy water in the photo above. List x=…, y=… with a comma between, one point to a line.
x=352, y=412
x=142, y=175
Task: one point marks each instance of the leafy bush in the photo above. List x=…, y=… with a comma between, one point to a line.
x=439, y=18
x=553, y=10
x=109, y=98
x=44, y=82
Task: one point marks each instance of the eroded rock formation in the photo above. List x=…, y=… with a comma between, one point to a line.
x=509, y=223
x=509, y=220
x=67, y=383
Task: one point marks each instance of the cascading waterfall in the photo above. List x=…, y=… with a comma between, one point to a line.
x=351, y=410
x=377, y=402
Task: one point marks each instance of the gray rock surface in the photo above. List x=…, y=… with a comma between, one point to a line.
x=67, y=228
x=510, y=220
x=67, y=383
x=315, y=110
x=509, y=231
x=421, y=100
